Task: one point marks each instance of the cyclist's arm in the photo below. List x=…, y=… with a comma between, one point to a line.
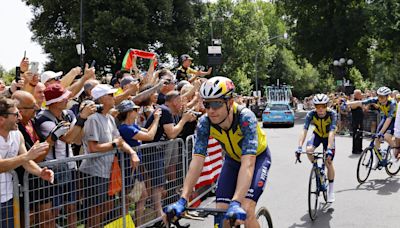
x=302, y=137
x=386, y=125
x=200, y=152
x=332, y=130
x=356, y=104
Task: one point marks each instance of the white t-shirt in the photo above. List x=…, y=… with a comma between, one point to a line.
x=8, y=149
x=397, y=123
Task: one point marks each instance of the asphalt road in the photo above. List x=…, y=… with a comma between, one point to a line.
x=376, y=203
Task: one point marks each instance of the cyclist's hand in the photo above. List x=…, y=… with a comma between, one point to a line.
x=176, y=209
x=236, y=212
x=298, y=153
x=380, y=135
x=329, y=153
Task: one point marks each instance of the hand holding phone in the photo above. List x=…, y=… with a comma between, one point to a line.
x=34, y=67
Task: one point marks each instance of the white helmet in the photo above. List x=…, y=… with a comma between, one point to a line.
x=320, y=99
x=217, y=87
x=384, y=91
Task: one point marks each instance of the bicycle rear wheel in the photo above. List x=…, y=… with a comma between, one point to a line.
x=313, y=193
x=393, y=165
x=264, y=218
x=364, y=165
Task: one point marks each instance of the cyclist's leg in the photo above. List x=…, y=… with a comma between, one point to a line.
x=377, y=140
x=226, y=187
x=258, y=183
x=389, y=134
x=312, y=143
x=329, y=160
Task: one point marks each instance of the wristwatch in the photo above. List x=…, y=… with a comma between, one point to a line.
x=114, y=145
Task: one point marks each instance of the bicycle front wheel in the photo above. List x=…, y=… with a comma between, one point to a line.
x=313, y=193
x=393, y=165
x=264, y=218
x=364, y=165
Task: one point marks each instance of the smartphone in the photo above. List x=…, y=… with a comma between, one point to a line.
x=17, y=75
x=93, y=63
x=34, y=67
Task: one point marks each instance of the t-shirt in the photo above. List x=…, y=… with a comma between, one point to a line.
x=8, y=149
x=161, y=99
x=127, y=132
x=184, y=73
x=166, y=118
x=60, y=150
x=102, y=129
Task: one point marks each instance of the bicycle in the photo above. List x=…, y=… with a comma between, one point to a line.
x=263, y=216
x=318, y=182
x=366, y=161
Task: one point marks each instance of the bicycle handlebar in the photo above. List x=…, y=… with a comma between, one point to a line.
x=315, y=154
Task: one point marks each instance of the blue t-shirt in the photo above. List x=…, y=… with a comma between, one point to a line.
x=128, y=132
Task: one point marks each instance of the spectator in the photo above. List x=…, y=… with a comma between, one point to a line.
x=167, y=129
x=13, y=153
x=39, y=94
x=87, y=88
x=129, y=87
x=147, y=106
x=60, y=128
x=184, y=72
x=101, y=135
x=2, y=86
x=357, y=124
x=168, y=85
x=133, y=135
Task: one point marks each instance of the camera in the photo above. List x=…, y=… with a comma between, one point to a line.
x=197, y=114
x=99, y=108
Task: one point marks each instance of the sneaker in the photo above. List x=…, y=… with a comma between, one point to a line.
x=331, y=197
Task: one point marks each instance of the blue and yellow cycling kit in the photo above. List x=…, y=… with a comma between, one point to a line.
x=244, y=137
x=388, y=110
x=322, y=125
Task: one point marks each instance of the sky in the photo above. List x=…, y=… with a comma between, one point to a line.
x=15, y=36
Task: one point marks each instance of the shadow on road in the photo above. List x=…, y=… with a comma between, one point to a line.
x=354, y=156
x=324, y=216
x=386, y=186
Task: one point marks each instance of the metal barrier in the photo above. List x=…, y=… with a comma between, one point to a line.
x=80, y=195
x=370, y=122
x=9, y=194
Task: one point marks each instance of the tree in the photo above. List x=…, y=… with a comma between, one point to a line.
x=110, y=28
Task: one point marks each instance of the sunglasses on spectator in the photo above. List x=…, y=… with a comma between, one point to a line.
x=168, y=82
x=16, y=114
x=213, y=104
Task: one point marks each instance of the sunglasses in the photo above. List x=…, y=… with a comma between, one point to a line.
x=320, y=106
x=16, y=114
x=213, y=104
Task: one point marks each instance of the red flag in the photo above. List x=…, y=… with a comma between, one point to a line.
x=127, y=63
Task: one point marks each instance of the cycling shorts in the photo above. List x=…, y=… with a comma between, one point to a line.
x=227, y=184
x=390, y=129
x=315, y=140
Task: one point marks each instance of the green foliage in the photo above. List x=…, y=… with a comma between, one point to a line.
x=111, y=28
x=7, y=76
x=358, y=80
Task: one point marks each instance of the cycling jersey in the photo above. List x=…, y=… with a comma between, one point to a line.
x=183, y=73
x=389, y=110
x=244, y=137
x=322, y=125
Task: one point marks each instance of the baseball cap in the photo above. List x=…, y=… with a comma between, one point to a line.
x=185, y=57
x=126, y=80
x=55, y=93
x=126, y=106
x=47, y=75
x=101, y=90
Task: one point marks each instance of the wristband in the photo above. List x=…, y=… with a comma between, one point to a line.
x=80, y=122
x=114, y=145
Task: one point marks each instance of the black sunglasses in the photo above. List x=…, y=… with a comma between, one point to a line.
x=213, y=104
x=16, y=114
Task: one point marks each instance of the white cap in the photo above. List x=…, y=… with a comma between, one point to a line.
x=101, y=90
x=47, y=75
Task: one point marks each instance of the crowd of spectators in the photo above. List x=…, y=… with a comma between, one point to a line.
x=52, y=116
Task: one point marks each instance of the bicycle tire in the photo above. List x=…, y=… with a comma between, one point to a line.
x=361, y=162
x=393, y=167
x=263, y=212
x=313, y=203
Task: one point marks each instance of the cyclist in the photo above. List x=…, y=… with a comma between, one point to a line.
x=324, y=120
x=247, y=160
x=388, y=107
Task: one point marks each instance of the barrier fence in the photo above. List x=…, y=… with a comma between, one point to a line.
x=371, y=120
x=81, y=195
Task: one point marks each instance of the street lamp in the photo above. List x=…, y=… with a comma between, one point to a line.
x=342, y=64
x=285, y=36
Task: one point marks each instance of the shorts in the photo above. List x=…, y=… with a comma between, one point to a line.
x=62, y=192
x=315, y=140
x=390, y=129
x=153, y=161
x=95, y=190
x=226, y=185
x=172, y=153
x=7, y=214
